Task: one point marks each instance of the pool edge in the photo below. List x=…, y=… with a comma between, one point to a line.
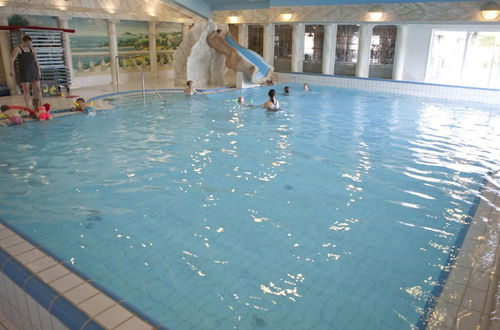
x=66, y=294
x=467, y=285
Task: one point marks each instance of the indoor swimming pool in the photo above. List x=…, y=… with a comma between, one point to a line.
x=340, y=211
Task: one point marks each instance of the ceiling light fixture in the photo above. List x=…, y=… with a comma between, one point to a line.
x=286, y=16
x=490, y=11
x=375, y=13
x=233, y=18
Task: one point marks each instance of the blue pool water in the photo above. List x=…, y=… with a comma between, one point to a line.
x=337, y=212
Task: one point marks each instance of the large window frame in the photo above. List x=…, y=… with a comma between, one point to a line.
x=461, y=75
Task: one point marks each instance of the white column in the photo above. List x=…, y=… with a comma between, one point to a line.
x=365, y=41
x=243, y=35
x=63, y=23
x=268, y=49
x=298, y=33
x=153, y=64
x=5, y=50
x=113, y=48
x=329, y=47
x=185, y=30
x=400, y=52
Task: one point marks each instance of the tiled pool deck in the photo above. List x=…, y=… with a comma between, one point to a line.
x=469, y=298
x=39, y=292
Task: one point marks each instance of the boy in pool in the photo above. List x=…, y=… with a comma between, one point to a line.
x=286, y=90
x=82, y=106
x=190, y=90
x=306, y=87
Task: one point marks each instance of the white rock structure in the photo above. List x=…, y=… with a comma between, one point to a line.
x=195, y=60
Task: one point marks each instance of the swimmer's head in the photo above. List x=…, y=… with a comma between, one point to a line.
x=80, y=100
x=4, y=107
x=189, y=83
x=241, y=99
x=272, y=93
x=306, y=86
x=286, y=90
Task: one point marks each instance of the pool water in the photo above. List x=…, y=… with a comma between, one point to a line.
x=337, y=212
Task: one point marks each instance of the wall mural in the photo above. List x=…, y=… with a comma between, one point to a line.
x=168, y=38
x=90, y=44
x=32, y=20
x=133, y=41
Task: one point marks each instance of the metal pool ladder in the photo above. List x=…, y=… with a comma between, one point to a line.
x=117, y=62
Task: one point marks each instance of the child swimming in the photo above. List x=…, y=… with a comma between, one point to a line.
x=286, y=90
x=306, y=87
x=81, y=105
x=190, y=90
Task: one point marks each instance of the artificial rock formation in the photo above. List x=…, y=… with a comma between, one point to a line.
x=195, y=60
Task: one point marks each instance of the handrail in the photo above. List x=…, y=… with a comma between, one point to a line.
x=142, y=76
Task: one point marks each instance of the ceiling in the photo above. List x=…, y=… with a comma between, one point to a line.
x=205, y=7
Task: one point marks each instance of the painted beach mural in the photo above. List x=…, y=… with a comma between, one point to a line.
x=90, y=44
x=32, y=20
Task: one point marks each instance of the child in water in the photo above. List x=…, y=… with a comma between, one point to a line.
x=190, y=90
x=41, y=111
x=306, y=87
x=272, y=104
x=83, y=106
x=286, y=90
x=12, y=114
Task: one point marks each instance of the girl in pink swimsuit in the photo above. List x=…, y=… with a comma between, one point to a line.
x=41, y=111
x=12, y=114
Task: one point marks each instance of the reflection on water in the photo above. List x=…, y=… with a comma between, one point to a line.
x=338, y=211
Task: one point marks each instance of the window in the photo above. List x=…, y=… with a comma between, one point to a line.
x=256, y=38
x=346, y=53
x=283, y=48
x=313, y=48
x=467, y=58
x=383, y=45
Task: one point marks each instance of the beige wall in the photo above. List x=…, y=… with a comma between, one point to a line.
x=2, y=72
x=151, y=10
